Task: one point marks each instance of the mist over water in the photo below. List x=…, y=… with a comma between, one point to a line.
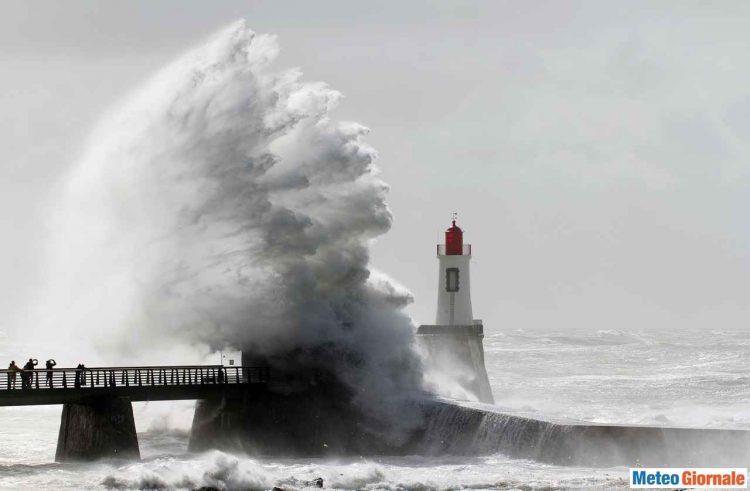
x=219, y=206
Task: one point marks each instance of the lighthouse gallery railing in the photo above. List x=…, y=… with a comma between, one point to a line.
x=466, y=251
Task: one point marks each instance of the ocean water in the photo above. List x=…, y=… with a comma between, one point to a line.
x=694, y=379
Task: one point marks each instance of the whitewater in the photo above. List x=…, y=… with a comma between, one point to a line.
x=220, y=206
x=562, y=374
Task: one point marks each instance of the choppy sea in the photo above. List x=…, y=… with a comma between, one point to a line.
x=699, y=379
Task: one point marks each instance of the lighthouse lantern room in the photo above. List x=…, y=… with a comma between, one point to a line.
x=454, y=292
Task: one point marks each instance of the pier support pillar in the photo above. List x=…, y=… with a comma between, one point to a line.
x=103, y=428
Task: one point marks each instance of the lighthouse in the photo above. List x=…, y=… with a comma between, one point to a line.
x=453, y=345
x=454, y=280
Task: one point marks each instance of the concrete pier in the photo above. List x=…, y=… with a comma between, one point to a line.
x=102, y=428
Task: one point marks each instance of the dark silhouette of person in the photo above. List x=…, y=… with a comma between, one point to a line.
x=28, y=373
x=12, y=372
x=221, y=375
x=83, y=374
x=22, y=371
x=79, y=373
x=50, y=364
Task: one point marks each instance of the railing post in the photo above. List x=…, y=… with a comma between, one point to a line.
x=127, y=377
x=65, y=381
x=138, y=372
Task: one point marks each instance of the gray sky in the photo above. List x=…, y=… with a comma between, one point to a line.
x=597, y=152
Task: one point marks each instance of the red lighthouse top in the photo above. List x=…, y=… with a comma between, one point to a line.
x=454, y=241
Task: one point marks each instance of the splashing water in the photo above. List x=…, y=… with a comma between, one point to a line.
x=221, y=206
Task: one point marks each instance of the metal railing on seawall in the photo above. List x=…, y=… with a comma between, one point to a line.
x=42, y=379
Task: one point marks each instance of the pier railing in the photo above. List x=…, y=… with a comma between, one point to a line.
x=113, y=377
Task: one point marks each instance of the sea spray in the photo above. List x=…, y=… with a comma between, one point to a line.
x=220, y=206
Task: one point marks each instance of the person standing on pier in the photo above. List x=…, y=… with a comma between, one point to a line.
x=28, y=373
x=79, y=374
x=12, y=372
x=50, y=364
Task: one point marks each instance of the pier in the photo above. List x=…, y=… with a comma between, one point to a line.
x=97, y=417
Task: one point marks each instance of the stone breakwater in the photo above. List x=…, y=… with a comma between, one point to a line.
x=452, y=428
x=321, y=423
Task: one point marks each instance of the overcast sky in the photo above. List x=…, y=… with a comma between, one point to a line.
x=597, y=152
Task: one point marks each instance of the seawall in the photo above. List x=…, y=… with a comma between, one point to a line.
x=320, y=421
x=454, y=428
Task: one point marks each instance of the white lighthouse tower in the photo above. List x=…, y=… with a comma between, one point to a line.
x=454, y=280
x=455, y=354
